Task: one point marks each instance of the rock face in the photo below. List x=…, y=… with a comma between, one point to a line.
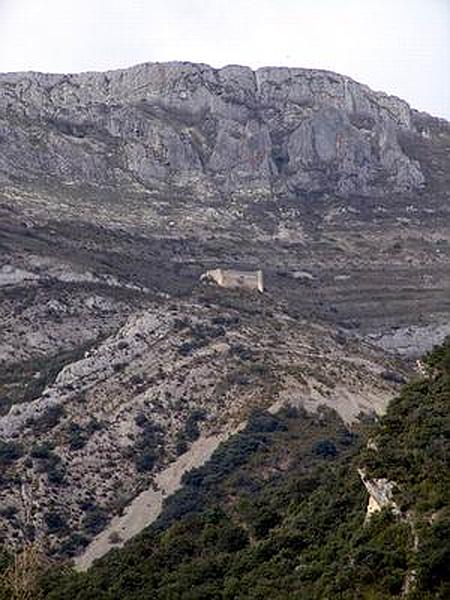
x=380, y=494
x=118, y=190
x=229, y=130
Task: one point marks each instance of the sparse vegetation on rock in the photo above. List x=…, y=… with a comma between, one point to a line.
x=269, y=517
x=117, y=191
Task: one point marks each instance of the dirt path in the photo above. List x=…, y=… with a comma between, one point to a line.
x=146, y=507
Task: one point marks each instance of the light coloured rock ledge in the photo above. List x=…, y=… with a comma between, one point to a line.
x=413, y=341
x=147, y=506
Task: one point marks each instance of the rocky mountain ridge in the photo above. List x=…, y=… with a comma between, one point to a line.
x=292, y=170
x=118, y=190
x=229, y=130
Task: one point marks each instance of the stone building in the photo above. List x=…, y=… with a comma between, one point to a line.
x=231, y=278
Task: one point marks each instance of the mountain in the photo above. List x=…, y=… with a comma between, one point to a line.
x=121, y=368
x=174, y=168
x=78, y=451
x=221, y=133
x=281, y=511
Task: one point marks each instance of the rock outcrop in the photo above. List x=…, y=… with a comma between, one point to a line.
x=380, y=494
x=232, y=130
x=119, y=189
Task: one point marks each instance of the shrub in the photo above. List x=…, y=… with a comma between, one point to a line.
x=181, y=445
x=191, y=431
x=325, y=448
x=9, y=452
x=261, y=421
x=8, y=511
x=145, y=461
x=148, y=445
x=47, y=420
x=77, y=438
x=55, y=522
x=71, y=545
x=50, y=463
x=56, y=474
x=141, y=420
x=114, y=538
x=94, y=520
x=41, y=452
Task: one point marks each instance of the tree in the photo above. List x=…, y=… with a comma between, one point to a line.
x=22, y=579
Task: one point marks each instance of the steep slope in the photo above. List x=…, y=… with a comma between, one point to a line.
x=96, y=437
x=183, y=167
x=279, y=512
x=118, y=190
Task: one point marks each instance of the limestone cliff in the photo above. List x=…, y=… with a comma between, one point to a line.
x=231, y=130
x=119, y=189
x=135, y=174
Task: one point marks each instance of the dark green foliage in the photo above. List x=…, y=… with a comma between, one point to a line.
x=9, y=452
x=191, y=431
x=77, y=438
x=42, y=452
x=414, y=439
x=25, y=381
x=50, y=463
x=325, y=448
x=145, y=460
x=47, y=420
x=268, y=517
x=55, y=522
x=439, y=358
x=78, y=435
x=201, y=335
x=181, y=446
x=148, y=445
x=8, y=512
x=261, y=421
x=72, y=544
x=94, y=520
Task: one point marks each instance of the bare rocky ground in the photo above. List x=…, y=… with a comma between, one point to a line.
x=147, y=506
x=118, y=190
x=97, y=435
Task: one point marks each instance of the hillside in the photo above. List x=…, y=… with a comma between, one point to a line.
x=280, y=512
x=121, y=369
x=149, y=176
x=89, y=442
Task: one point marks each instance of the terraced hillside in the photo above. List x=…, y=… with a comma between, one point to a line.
x=118, y=190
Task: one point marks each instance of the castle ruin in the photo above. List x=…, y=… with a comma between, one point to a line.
x=231, y=278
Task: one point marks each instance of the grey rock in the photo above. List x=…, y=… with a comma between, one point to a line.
x=229, y=129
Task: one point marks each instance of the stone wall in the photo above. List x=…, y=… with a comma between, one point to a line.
x=230, y=278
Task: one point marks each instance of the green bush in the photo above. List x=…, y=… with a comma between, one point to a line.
x=9, y=452
x=268, y=517
x=94, y=520
x=55, y=522
x=45, y=422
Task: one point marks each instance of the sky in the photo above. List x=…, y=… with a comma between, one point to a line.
x=401, y=47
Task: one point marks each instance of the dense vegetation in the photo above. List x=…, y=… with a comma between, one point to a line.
x=279, y=512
